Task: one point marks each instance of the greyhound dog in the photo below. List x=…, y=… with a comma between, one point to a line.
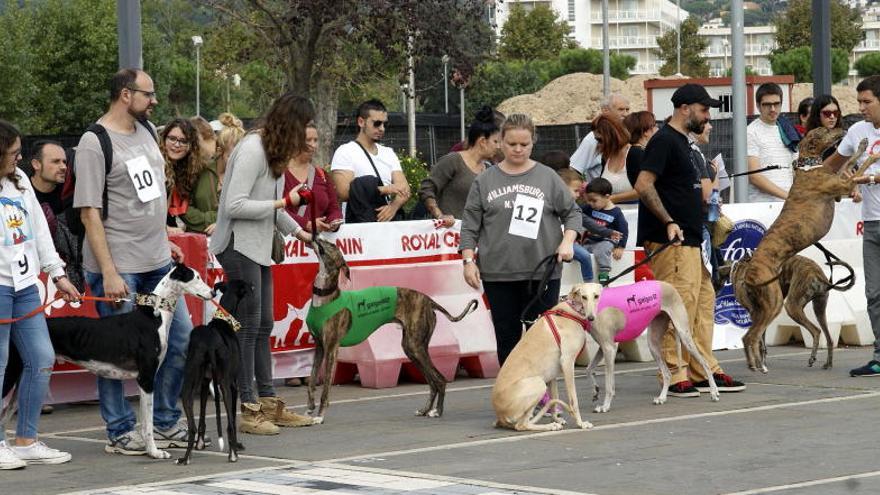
x=547, y=349
x=801, y=281
x=343, y=318
x=622, y=314
x=214, y=355
x=805, y=218
x=128, y=345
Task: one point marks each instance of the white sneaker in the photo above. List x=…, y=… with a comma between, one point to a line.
x=39, y=453
x=8, y=459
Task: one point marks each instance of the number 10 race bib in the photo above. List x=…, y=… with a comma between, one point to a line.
x=526, y=218
x=143, y=178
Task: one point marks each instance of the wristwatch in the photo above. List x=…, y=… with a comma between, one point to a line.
x=467, y=261
x=56, y=279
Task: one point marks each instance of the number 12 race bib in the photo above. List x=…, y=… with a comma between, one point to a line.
x=143, y=178
x=526, y=218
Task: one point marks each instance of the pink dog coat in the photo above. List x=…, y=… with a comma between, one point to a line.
x=640, y=303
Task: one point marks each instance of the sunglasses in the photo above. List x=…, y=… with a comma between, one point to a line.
x=379, y=123
x=830, y=113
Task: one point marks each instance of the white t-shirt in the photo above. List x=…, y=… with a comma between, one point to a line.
x=765, y=144
x=587, y=158
x=351, y=157
x=847, y=147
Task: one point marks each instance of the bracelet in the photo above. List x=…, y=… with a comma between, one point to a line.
x=287, y=202
x=59, y=277
x=872, y=180
x=667, y=224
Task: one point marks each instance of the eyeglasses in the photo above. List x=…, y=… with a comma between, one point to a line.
x=148, y=94
x=771, y=104
x=830, y=113
x=379, y=123
x=178, y=141
x=14, y=153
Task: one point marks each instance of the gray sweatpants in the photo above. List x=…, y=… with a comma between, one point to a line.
x=871, y=260
x=602, y=251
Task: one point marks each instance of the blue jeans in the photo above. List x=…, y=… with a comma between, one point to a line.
x=115, y=410
x=586, y=261
x=31, y=337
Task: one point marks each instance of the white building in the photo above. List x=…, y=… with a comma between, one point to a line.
x=869, y=44
x=634, y=25
x=760, y=41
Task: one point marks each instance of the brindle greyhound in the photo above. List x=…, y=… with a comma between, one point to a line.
x=805, y=218
x=412, y=310
x=801, y=281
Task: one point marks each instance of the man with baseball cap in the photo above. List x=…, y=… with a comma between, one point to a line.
x=670, y=210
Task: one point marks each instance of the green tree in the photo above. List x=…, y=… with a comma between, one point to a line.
x=573, y=60
x=692, y=62
x=799, y=63
x=793, y=26
x=538, y=34
x=494, y=82
x=868, y=65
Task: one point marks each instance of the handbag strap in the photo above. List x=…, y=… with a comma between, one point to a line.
x=310, y=182
x=376, y=170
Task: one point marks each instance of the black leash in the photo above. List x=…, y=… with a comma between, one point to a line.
x=640, y=263
x=551, y=261
x=830, y=259
x=750, y=172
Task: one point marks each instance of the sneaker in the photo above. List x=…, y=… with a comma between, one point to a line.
x=8, y=458
x=39, y=453
x=683, y=389
x=130, y=443
x=870, y=369
x=725, y=383
x=176, y=437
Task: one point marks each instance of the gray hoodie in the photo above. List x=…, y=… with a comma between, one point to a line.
x=489, y=213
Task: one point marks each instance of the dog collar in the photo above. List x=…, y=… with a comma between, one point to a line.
x=155, y=301
x=228, y=318
x=813, y=161
x=555, y=312
x=323, y=292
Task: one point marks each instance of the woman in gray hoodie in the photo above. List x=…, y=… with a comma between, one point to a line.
x=516, y=214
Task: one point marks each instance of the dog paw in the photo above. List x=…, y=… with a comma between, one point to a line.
x=433, y=414
x=183, y=461
x=159, y=454
x=601, y=409
x=764, y=370
x=318, y=420
x=559, y=420
x=585, y=425
x=659, y=400
x=556, y=426
x=200, y=444
x=826, y=366
x=715, y=397
x=233, y=457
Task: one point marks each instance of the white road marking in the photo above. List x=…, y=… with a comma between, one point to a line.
x=804, y=484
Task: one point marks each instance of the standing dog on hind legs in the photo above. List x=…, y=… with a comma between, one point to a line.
x=345, y=318
x=214, y=355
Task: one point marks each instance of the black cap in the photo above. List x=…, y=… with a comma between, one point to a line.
x=693, y=93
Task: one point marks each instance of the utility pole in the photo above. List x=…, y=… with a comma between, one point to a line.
x=606, y=52
x=445, y=60
x=678, y=37
x=128, y=32
x=738, y=101
x=197, y=42
x=411, y=98
x=821, y=32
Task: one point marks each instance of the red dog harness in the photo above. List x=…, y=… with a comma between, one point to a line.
x=555, y=312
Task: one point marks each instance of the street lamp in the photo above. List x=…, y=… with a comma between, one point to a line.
x=197, y=42
x=678, y=38
x=445, y=60
x=725, y=44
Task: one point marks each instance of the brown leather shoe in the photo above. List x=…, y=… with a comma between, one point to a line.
x=255, y=421
x=276, y=411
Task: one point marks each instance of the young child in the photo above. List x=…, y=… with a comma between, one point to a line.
x=575, y=184
x=602, y=210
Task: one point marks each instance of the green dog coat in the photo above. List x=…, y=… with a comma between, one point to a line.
x=370, y=309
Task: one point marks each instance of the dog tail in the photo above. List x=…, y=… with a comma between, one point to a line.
x=847, y=282
x=215, y=381
x=471, y=306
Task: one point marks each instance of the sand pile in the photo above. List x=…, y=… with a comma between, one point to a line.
x=574, y=98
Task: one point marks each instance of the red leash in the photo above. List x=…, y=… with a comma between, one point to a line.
x=6, y=321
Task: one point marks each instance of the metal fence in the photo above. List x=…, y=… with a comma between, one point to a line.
x=436, y=134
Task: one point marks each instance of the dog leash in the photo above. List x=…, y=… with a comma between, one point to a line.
x=38, y=310
x=551, y=261
x=758, y=171
x=640, y=263
x=831, y=259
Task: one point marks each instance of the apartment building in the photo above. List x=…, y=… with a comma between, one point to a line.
x=870, y=43
x=633, y=25
x=760, y=41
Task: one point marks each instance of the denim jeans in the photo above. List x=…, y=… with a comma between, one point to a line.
x=257, y=318
x=583, y=257
x=31, y=337
x=115, y=410
x=871, y=260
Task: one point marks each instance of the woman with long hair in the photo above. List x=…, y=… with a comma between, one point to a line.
x=612, y=142
x=249, y=212
x=179, y=142
x=445, y=191
x=230, y=134
x=301, y=170
x=206, y=192
x=25, y=249
x=825, y=112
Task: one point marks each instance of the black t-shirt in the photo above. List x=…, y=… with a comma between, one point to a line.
x=668, y=155
x=634, y=163
x=53, y=198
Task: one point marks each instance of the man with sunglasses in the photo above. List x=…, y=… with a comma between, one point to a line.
x=366, y=174
x=127, y=249
x=768, y=144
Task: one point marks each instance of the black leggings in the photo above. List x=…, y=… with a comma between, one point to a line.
x=507, y=301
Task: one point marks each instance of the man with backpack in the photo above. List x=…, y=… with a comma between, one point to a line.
x=120, y=191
